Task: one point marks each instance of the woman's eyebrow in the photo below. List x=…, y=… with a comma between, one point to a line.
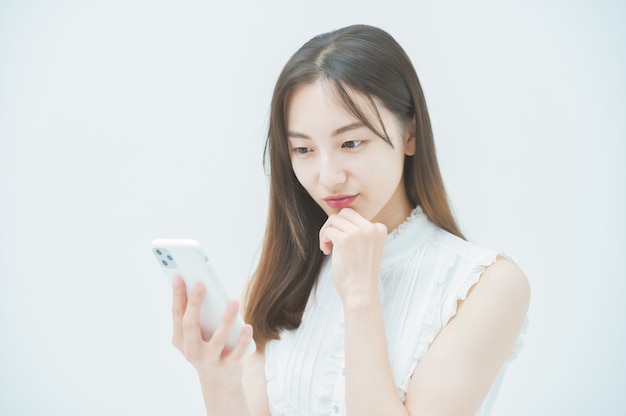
x=340, y=130
x=352, y=126
x=295, y=135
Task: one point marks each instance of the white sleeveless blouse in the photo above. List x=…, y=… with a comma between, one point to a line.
x=424, y=272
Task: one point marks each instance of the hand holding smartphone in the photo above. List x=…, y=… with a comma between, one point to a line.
x=188, y=260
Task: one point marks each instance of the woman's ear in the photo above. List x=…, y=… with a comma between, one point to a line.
x=410, y=134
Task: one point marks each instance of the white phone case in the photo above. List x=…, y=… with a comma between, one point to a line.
x=188, y=260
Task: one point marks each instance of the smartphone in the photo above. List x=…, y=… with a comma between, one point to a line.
x=188, y=260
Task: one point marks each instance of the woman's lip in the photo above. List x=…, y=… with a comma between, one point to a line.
x=340, y=201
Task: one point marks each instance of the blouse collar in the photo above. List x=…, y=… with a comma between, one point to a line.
x=407, y=237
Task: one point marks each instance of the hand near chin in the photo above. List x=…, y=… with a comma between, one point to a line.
x=357, y=247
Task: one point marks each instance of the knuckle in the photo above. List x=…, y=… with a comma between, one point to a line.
x=369, y=231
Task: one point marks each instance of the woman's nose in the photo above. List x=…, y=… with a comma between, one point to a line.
x=332, y=172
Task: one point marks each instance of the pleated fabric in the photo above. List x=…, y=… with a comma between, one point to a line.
x=424, y=272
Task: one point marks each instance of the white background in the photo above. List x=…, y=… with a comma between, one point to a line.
x=124, y=121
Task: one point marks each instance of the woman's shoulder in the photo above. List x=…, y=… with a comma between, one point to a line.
x=496, y=262
x=465, y=265
x=505, y=279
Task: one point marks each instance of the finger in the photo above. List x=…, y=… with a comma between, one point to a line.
x=222, y=333
x=192, y=336
x=179, y=304
x=245, y=337
x=330, y=237
x=381, y=229
x=343, y=222
x=326, y=245
x=362, y=223
x=338, y=224
x=352, y=216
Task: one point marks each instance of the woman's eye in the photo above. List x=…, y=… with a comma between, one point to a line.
x=301, y=150
x=351, y=144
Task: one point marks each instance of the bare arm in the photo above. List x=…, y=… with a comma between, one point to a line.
x=456, y=373
x=255, y=384
x=459, y=368
x=357, y=247
x=370, y=388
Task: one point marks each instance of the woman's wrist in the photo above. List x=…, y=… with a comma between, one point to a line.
x=224, y=398
x=359, y=301
x=220, y=386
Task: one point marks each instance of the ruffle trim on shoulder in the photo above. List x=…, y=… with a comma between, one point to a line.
x=451, y=308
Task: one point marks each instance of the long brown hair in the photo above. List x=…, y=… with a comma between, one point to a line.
x=364, y=59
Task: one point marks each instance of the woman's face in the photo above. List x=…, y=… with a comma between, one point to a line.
x=341, y=162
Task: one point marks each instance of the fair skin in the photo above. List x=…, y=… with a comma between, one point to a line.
x=332, y=157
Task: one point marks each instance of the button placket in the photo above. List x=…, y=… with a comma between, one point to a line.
x=339, y=392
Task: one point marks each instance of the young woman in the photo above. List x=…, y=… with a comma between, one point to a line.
x=367, y=299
